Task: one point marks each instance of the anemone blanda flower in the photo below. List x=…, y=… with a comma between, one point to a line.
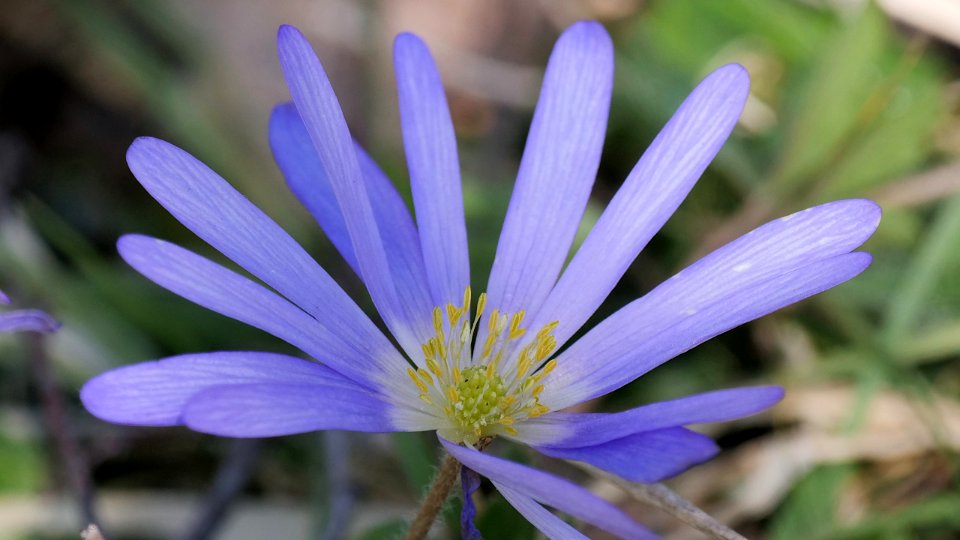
x=26, y=320
x=471, y=367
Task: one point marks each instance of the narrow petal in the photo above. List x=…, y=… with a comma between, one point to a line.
x=649, y=196
x=550, y=490
x=589, y=429
x=431, y=149
x=469, y=484
x=298, y=159
x=651, y=456
x=207, y=205
x=4, y=299
x=550, y=525
x=318, y=107
x=345, y=343
x=281, y=408
x=657, y=327
x=557, y=170
x=155, y=393
x=28, y=320
x=295, y=155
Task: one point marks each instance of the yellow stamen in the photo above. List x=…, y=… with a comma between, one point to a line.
x=413, y=377
x=481, y=395
x=425, y=376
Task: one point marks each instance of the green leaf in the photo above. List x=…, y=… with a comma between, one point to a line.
x=897, y=141
x=830, y=102
x=417, y=459
x=921, y=276
x=937, y=515
x=500, y=520
x=23, y=466
x=809, y=511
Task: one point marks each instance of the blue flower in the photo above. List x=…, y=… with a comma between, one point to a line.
x=471, y=367
x=26, y=320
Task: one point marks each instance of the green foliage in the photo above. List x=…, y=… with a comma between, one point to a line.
x=23, y=466
x=810, y=510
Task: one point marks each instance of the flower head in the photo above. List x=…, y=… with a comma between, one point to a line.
x=471, y=366
x=26, y=320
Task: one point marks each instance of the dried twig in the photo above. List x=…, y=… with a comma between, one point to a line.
x=231, y=478
x=71, y=459
x=919, y=189
x=666, y=499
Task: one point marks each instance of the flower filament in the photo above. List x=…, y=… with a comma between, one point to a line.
x=485, y=396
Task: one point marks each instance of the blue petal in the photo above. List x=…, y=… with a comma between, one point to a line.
x=294, y=153
x=557, y=170
x=550, y=490
x=550, y=525
x=318, y=107
x=211, y=208
x=649, y=196
x=282, y=408
x=303, y=170
x=156, y=393
x=677, y=316
x=431, y=149
x=28, y=320
x=650, y=456
x=350, y=345
x=469, y=484
x=589, y=429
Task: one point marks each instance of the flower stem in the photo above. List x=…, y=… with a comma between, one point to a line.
x=433, y=501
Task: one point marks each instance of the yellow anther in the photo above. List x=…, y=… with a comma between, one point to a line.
x=457, y=376
x=452, y=394
x=453, y=314
x=510, y=430
x=438, y=322
x=416, y=380
x=425, y=376
x=481, y=304
x=523, y=366
x=488, y=345
x=434, y=367
x=548, y=367
x=502, y=323
x=466, y=298
x=515, y=330
x=465, y=333
x=545, y=347
x=548, y=328
x=507, y=401
x=426, y=399
x=492, y=321
x=507, y=420
x=428, y=351
x=537, y=391
x=538, y=410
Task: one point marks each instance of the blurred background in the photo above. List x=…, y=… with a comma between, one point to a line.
x=849, y=99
